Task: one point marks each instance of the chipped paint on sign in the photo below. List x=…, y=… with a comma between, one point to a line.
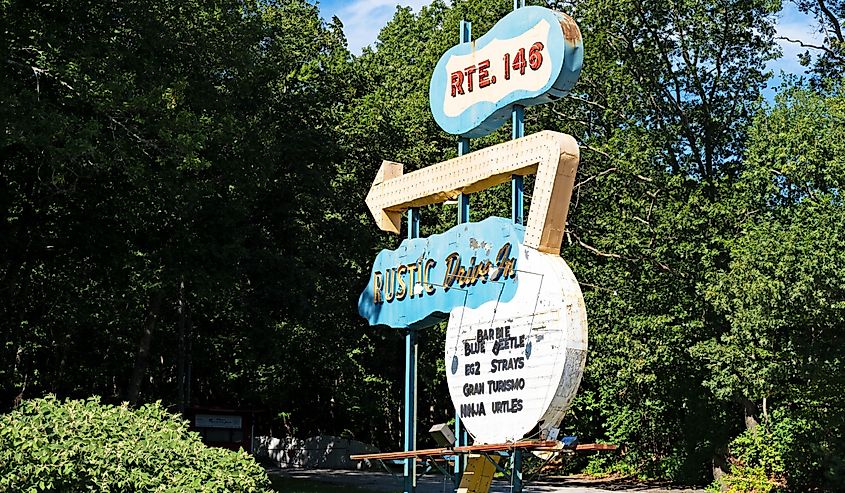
x=531, y=56
x=551, y=155
x=517, y=362
x=423, y=280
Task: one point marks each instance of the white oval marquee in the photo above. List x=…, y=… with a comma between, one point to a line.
x=513, y=365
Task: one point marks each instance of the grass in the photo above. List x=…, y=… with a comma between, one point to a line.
x=290, y=485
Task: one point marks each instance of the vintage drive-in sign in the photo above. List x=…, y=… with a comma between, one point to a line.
x=516, y=341
x=421, y=282
x=514, y=363
x=531, y=56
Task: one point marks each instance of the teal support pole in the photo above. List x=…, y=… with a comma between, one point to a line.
x=517, y=184
x=410, y=435
x=410, y=409
x=466, y=31
x=413, y=223
x=517, y=194
x=518, y=119
x=516, y=471
x=463, y=200
x=461, y=436
x=463, y=144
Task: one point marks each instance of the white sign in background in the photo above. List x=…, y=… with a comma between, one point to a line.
x=218, y=421
x=511, y=365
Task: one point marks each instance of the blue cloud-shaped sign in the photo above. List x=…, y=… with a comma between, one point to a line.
x=420, y=282
x=531, y=56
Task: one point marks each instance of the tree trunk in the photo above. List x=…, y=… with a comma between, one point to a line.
x=142, y=358
x=721, y=467
x=189, y=336
x=751, y=418
x=182, y=362
x=59, y=375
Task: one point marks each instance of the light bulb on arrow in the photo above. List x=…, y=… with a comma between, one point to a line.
x=553, y=156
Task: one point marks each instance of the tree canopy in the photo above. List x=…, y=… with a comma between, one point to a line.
x=182, y=219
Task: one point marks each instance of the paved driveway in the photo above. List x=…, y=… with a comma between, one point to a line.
x=382, y=481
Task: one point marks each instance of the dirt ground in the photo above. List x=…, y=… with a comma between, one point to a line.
x=384, y=482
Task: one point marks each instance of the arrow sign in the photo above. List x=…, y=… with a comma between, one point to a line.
x=552, y=156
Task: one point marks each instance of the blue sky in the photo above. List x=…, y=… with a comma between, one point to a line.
x=363, y=19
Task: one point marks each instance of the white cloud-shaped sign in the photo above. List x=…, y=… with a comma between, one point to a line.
x=531, y=56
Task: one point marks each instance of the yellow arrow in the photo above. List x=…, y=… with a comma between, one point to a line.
x=553, y=156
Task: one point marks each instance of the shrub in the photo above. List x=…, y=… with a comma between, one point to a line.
x=750, y=479
x=76, y=445
x=798, y=449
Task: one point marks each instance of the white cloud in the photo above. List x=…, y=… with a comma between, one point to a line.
x=793, y=25
x=363, y=19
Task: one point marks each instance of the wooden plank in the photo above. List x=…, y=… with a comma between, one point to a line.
x=432, y=452
x=585, y=447
x=497, y=447
x=538, y=445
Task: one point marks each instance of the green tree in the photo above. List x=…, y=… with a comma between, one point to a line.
x=782, y=294
x=165, y=173
x=662, y=109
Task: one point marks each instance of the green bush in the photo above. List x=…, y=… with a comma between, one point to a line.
x=76, y=445
x=750, y=479
x=758, y=461
x=798, y=449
